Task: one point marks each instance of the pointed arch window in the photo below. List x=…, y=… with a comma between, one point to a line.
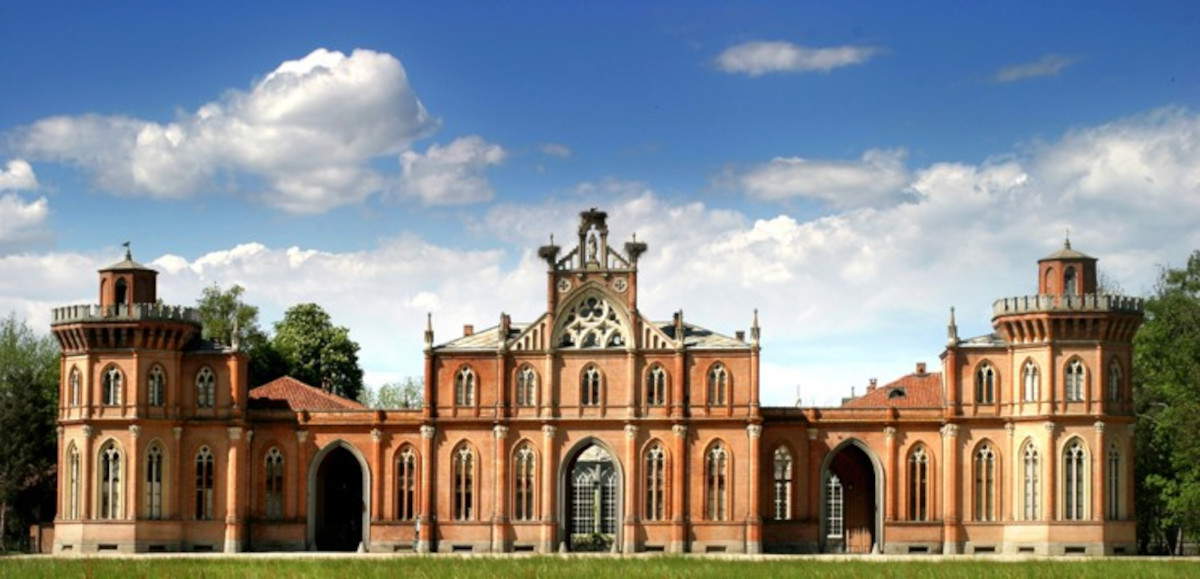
x=74, y=386
x=110, y=386
x=524, y=476
x=206, y=388
x=590, y=385
x=274, y=477
x=72, y=482
x=716, y=476
x=110, y=481
x=656, y=480
x=1114, y=381
x=718, y=383
x=1074, y=381
x=1031, y=382
x=656, y=386
x=406, y=484
x=204, y=484
x=156, y=387
x=1075, y=477
x=783, y=484
x=464, y=387
x=1070, y=282
x=918, y=485
x=464, y=483
x=1031, y=481
x=1113, y=484
x=592, y=323
x=834, y=508
x=985, y=384
x=154, y=481
x=985, y=483
x=526, y=387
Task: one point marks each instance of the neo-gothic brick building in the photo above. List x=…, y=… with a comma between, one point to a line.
x=597, y=427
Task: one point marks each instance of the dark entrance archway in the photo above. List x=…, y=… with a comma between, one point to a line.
x=339, y=503
x=591, y=498
x=851, y=500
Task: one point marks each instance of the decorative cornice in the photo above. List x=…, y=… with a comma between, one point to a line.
x=428, y=430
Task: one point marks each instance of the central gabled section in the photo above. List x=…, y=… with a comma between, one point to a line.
x=592, y=320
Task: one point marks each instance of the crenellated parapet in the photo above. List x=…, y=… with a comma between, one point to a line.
x=1041, y=303
x=87, y=313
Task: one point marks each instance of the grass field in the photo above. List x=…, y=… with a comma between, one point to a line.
x=361, y=568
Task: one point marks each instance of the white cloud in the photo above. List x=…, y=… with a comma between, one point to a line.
x=763, y=57
x=17, y=175
x=555, y=150
x=1047, y=65
x=302, y=137
x=877, y=177
x=452, y=174
x=21, y=222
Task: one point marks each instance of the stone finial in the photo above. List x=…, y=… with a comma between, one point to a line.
x=549, y=430
x=427, y=431
x=889, y=431
x=631, y=431
x=428, y=330
x=679, y=430
x=952, y=330
x=500, y=431
x=754, y=430
x=755, y=331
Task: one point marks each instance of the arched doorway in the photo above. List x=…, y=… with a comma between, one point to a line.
x=338, y=499
x=851, y=500
x=591, y=498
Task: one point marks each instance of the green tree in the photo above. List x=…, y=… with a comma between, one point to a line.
x=1167, y=401
x=404, y=394
x=223, y=311
x=318, y=352
x=29, y=377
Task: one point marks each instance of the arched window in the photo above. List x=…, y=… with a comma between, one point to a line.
x=464, y=483
x=656, y=477
x=592, y=323
x=1074, y=378
x=206, y=388
x=1031, y=382
x=985, y=384
x=985, y=483
x=589, y=386
x=406, y=484
x=783, y=484
x=110, y=481
x=1075, y=480
x=716, y=464
x=110, y=386
x=156, y=386
x=523, y=483
x=1031, y=477
x=72, y=482
x=154, y=481
x=834, y=508
x=656, y=386
x=918, y=485
x=1050, y=280
x=1114, y=381
x=718, y=382
x=1069, y=282
x=122, y=290
x=464, y=387
x=526, y=387
x=1114, y=483
x=274, y=476
x=74, y=387
x=204, y=484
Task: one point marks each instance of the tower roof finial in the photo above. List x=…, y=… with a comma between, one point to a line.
x=1067, y=240
x=128, y=251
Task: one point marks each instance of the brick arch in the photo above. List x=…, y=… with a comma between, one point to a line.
x=313, y=466
x=880, y=485
x=563, y=479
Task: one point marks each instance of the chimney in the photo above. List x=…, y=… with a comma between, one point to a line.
x=873, y=383
x=468, y=329
x=920, y=368
x=740, y=335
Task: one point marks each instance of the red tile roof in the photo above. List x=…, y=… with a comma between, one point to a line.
x=296, y=395
x=911, y=391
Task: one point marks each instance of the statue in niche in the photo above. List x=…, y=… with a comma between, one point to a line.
x=593, y=252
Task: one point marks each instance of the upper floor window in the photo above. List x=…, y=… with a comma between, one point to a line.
x=985, y=384
x=716, y=465
x=718, y=384
x=156, y=386
x=656, y=480
x=985, y=483
x=783, y=484
x=1114, y=381
x=1070, y=282
x=1075, y=480
x=464, y=387
x=592, y=323
x=74, y=387
x=1030, y=383
x=1074, y=381
x=110, y=386
x=656, y=386
x=206, y=388
x=589, y=387
x=204, y=484
x=918, y=485
x=406, y=484
x=526, y=387
x=274, y=476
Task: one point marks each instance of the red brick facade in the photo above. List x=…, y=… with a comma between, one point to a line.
x=594, y=427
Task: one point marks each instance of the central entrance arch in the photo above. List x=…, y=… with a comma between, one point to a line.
x=852, y=486
x=591, y=495
x=339, y=499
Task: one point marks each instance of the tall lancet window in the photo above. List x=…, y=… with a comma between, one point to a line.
x=204, y=484
x=1030, y=381
x=1031, y=486
x=985, y=483
x=464, y=387
x=985, y=384
x=656, y=476
x=156, y=387
x=464, y=483
x=526, y=387
x=1075, y=480
x=1074, y=381
x=716, y=465
x=110, y=481
x=72, y=483
x=590, y=386
x=406, y=484
x=783, y=484
x=834, y=508
x=110, y=386
x=74, y=386
x=656, y=386
x=524, y=476
x=274, y=476
x=206, y=388
x=154, y=481
x=718, y=384
x=1114, y=381
x=918, y=485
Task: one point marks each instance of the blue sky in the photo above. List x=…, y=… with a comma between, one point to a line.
x=851, y=169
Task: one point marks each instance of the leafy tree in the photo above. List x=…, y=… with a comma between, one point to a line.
x=404, y=394
x=221, y=311
x=29, y=377
x=1167, y=400
x=317, y=352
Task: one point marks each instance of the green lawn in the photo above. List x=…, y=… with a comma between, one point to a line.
x=361, y=568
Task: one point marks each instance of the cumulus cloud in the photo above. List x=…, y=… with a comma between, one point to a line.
x=301, y=139
x=452, y=174
x=17, y=175
x=877, y=177
x=1047, y=65
x=555, y=150
x=764, y=57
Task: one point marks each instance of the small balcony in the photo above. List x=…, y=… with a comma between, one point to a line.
x=123, y=313
x=1101, y=303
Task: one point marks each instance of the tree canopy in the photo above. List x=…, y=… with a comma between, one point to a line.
x=403, y=394
x=317, y=352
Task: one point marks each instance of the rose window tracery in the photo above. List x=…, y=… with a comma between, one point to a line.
x=592, y=323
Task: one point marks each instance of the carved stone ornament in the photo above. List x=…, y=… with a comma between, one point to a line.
x=428, y=430
x=754, y=430
x=889, y=431
x=564, y=285
x=631, y=431
x=549, y=430
x=619, y=285
x=679, y=430
x=950, y=430
x=135, y=430
x=499, y=431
